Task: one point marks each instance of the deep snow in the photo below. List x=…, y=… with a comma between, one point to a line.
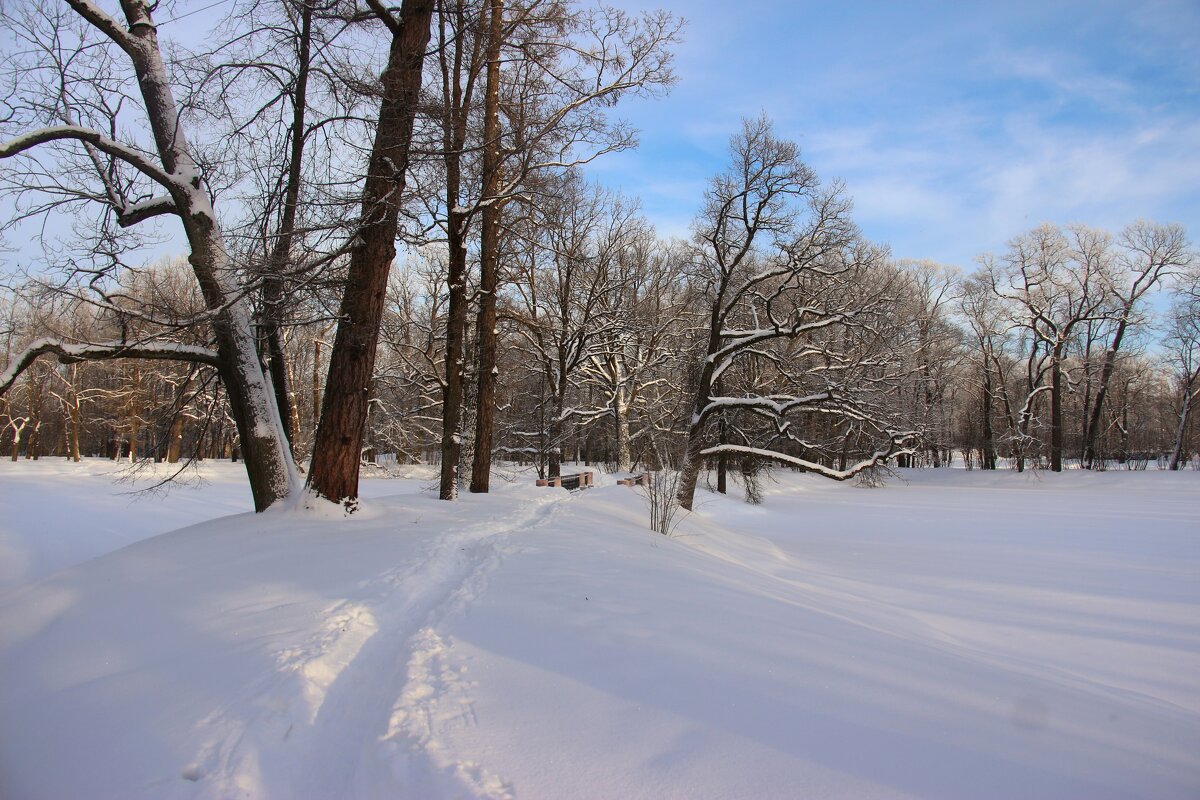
x=952, y=635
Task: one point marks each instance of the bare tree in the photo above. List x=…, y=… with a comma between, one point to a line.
x=1183, y=343
x=1147, y=253
x=461, y=59
x=1057, y=281
x=634, y=353
x=780, y=261
x=337, y=450
x=567, y=271
x=120, y=168
x=566, y=67
x=935, y=346
x=985, y=315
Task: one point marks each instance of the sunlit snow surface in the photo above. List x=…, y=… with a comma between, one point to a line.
x=953, y=635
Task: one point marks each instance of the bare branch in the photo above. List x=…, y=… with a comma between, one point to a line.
x=104, y=351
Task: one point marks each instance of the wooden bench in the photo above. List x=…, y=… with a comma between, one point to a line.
x=635, y=480
x=571, y=482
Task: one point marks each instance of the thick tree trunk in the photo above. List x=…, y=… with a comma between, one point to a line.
x=337, y=449
x=1092, y=434
x=1056, y=412
x=988, y=445
x=76, y=424
x=489, y=257
x=722, y=459
x=1190, y=398
x=34, y=448
x=555, y=456
x=269, y=466
x=456, y=328
x=458, y=97
x=175, y=439
x=689, y=472
x=623, y=450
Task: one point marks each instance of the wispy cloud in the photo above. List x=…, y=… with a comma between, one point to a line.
x=955, y=127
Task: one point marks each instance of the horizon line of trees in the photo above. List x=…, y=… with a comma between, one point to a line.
x=598, y=358
x=534, y=316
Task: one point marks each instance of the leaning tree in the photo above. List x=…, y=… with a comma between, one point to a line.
x=86, y=94
x=789, y=284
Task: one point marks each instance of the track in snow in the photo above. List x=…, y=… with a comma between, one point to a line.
x=361, y=712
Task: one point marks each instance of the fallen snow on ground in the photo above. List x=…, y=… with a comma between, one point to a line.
x=953, y=635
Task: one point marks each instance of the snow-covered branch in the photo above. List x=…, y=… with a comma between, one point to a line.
x=900, y=444
x=103, y=351
x=135, y=158
x=134, y=213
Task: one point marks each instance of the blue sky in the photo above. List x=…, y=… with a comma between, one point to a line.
x=955, y=125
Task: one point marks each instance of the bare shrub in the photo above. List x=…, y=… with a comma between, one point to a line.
x=659, y=495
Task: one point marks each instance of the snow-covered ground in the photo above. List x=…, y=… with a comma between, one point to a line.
x=953, y=635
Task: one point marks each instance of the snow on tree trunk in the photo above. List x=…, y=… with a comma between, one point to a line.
x=621, y=430
x=269, y=465
x=489, y=256
x=456, y=326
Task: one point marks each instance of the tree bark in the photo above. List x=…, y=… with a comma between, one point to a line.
x=722, y=459
x=1189, y=400
x=489, y=257
x=337, y=449
x=281, y=250
x=689, y=472
x=1056, y=412
x=76, y=423
x=175, y=439
x=454, y=127
x=555, y=455
x=1093, y=426
x=988, y=445
x=456, y=329
x=135, y=413
x=624, y=454
x=268, y=464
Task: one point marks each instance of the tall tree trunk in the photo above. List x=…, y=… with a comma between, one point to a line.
x=34, y=448
x=281, y=250
x=1093, y=426
x=722, y=438
x=175, y=438
x=269, y=466
x=624, y=454
x=489, y=257
x=554, y=468
x=294, y=421
x=316, y=384
x=76, y=423
x=1056, y=412
x=135, y=412
x=454, y=137
x=1189, y=400
x=689, y=472
x=456, y=327
x=988, y=449
x=337, y=449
